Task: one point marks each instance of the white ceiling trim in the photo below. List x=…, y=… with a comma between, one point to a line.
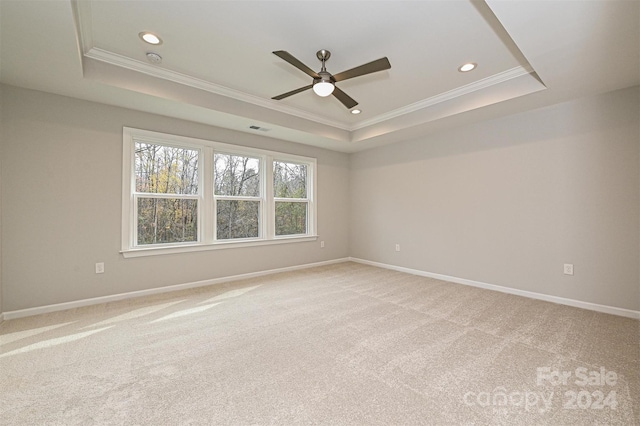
x=176, y=77
x=82, y=16
x=507, y=75
x=84, y=30
x=83, y=20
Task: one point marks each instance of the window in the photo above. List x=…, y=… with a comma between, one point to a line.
x=290, y=197
x=237, y=195
x=166, y=194
x=183, y=194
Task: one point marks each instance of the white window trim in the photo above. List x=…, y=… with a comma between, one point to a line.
x=206, y=202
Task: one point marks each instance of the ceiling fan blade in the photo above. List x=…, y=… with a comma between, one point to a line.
x=344, y=98
x=296, y=63
x=374, y=66
x=293, y=92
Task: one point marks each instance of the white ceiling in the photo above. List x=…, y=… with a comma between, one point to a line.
x=218, y=67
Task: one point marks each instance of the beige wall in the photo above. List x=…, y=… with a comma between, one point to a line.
x=1, y=156
x=61, y=204
x=504, y=202
x=509, y=201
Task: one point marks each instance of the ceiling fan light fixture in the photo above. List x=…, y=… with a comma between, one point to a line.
x=323, y=88
x=323, y=84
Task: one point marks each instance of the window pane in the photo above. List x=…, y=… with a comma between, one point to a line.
x=289, y=180
x=291, y=218
x=237, y=219
x=166, y=170
x=237, y=175
x=167, y=220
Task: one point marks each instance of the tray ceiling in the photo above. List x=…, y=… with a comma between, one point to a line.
x=218, y=68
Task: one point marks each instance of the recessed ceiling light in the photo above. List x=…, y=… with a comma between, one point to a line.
x=355, y=111
x=467, y=67
x=150, y=38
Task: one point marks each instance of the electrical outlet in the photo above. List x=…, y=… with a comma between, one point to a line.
x=568, y=268
x=397, y=247
x=100, y=268
x=321, y=244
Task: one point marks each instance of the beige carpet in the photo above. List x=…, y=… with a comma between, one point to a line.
x=340, y=344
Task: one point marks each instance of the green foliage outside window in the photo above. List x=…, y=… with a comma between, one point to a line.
x=167, y=220
x=172, y=171
x=290, y=182
x=167, y=193
x=237, y=219
x=237, y=176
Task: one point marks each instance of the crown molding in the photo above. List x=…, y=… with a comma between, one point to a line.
x=82, y=15
x=176, y=77
x=447, y=96
x=82, y=19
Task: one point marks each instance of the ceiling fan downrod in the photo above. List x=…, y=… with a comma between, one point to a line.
x=324, y=56
x=323, y=85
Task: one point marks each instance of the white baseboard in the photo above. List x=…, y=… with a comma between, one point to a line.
x=159, y=290
x=130, y=295
x=530, y=294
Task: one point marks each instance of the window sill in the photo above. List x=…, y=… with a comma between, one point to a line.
x=188, y=248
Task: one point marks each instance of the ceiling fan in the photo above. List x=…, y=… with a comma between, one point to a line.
x=324, y=84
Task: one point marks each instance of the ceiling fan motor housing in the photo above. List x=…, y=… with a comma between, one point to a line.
x=325, y=77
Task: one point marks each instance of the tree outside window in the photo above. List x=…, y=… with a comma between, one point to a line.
x=166, y=180
x=237, y=196
x=184, y=194
x=290, y=196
